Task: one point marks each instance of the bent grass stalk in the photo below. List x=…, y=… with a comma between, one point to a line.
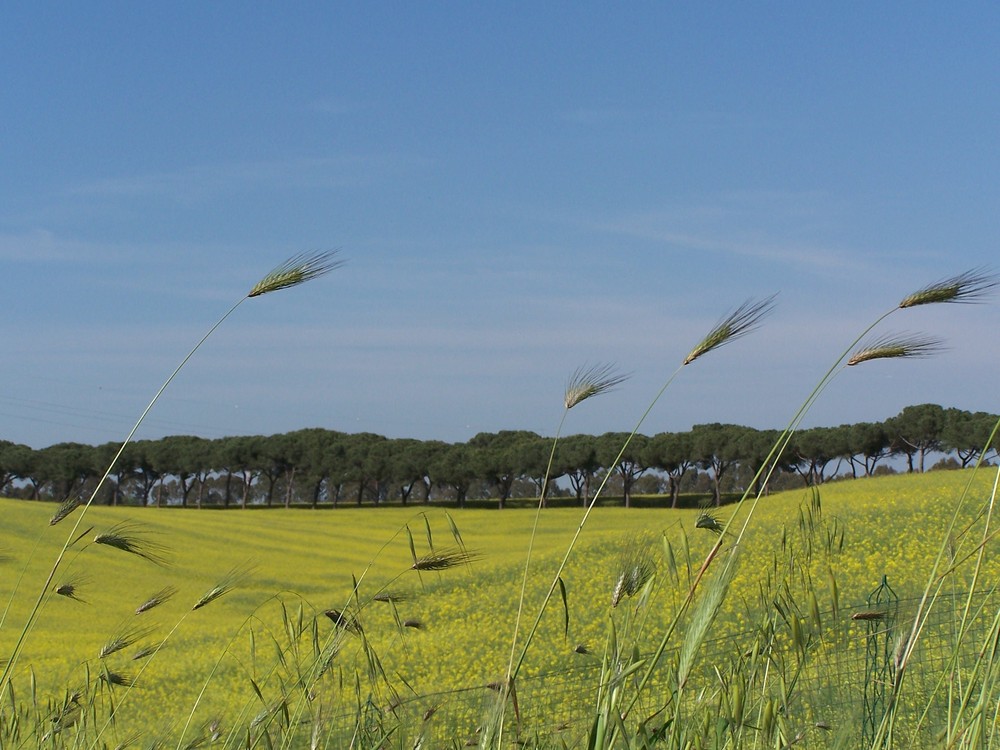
x=584, y=383
x=930, y=596
x=964, y=288
x=441, y=560
x=127, y=636
x=294, y=271
x=740, y=322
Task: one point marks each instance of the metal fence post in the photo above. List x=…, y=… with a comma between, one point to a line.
x=880, y=664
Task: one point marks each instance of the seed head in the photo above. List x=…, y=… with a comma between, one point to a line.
x=65, y=508
x=389, y=596
x=444, y=560
x=125, y=637
x=706, y=520
x=156, y=599
x=970, y=286
x=71, y=588
x=591, y=381
x=227, y=583
x=127, y=537
x=296, y=270
x=740, y=322
x=145, y=651
x=635, y=569
x=68, y=714
x=117, y=678
x=343, y=620
x=895, y=346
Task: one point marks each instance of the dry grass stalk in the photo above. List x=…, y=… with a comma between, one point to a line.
x=444, y=560
x=970, y=286
x=227, y=583
x=586, y=382
x=161, y=596
x=126, y=537
x=737, y=324
x=893, y=346
x=296, y=270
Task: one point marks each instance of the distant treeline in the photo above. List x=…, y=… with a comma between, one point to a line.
x=319, y=466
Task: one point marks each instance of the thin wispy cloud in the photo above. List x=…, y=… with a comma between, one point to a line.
x=39, y=246
x=278, y=174
x=767, y=226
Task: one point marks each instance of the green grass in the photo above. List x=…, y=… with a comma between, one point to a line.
x=891, y=526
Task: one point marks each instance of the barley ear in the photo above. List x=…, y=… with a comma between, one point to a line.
x=591, y=381
x=65, y=508
x=70, y=588
x=740, y=322
x=343, y=620
x=296, y=270
x=634, y=570
x=390, y=597
x=444, y=560
x=895, y=346
x=970, y=286
x=126, y=537
x=707, y=521
x=156, y=599
x=227, y=583
x=124, y=637
x=702, y=617
x=118, y=679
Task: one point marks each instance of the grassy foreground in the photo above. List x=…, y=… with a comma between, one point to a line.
x=445, y=635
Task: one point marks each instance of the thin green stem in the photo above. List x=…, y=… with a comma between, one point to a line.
x=579, y=529
x=531, y=544
x=767, y=468
x=33, y=614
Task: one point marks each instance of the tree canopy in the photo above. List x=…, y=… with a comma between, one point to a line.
x=317, y=466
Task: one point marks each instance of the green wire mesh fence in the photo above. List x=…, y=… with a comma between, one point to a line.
x=831, y=685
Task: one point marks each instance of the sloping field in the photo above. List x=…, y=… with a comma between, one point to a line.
x=446, y=634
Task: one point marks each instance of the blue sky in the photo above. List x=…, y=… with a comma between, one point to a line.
x=518, y=189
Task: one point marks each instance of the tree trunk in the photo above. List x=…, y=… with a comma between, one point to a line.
x=288, y=489
x=228, y=494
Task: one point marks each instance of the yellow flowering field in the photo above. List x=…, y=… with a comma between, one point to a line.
x=433, y=640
